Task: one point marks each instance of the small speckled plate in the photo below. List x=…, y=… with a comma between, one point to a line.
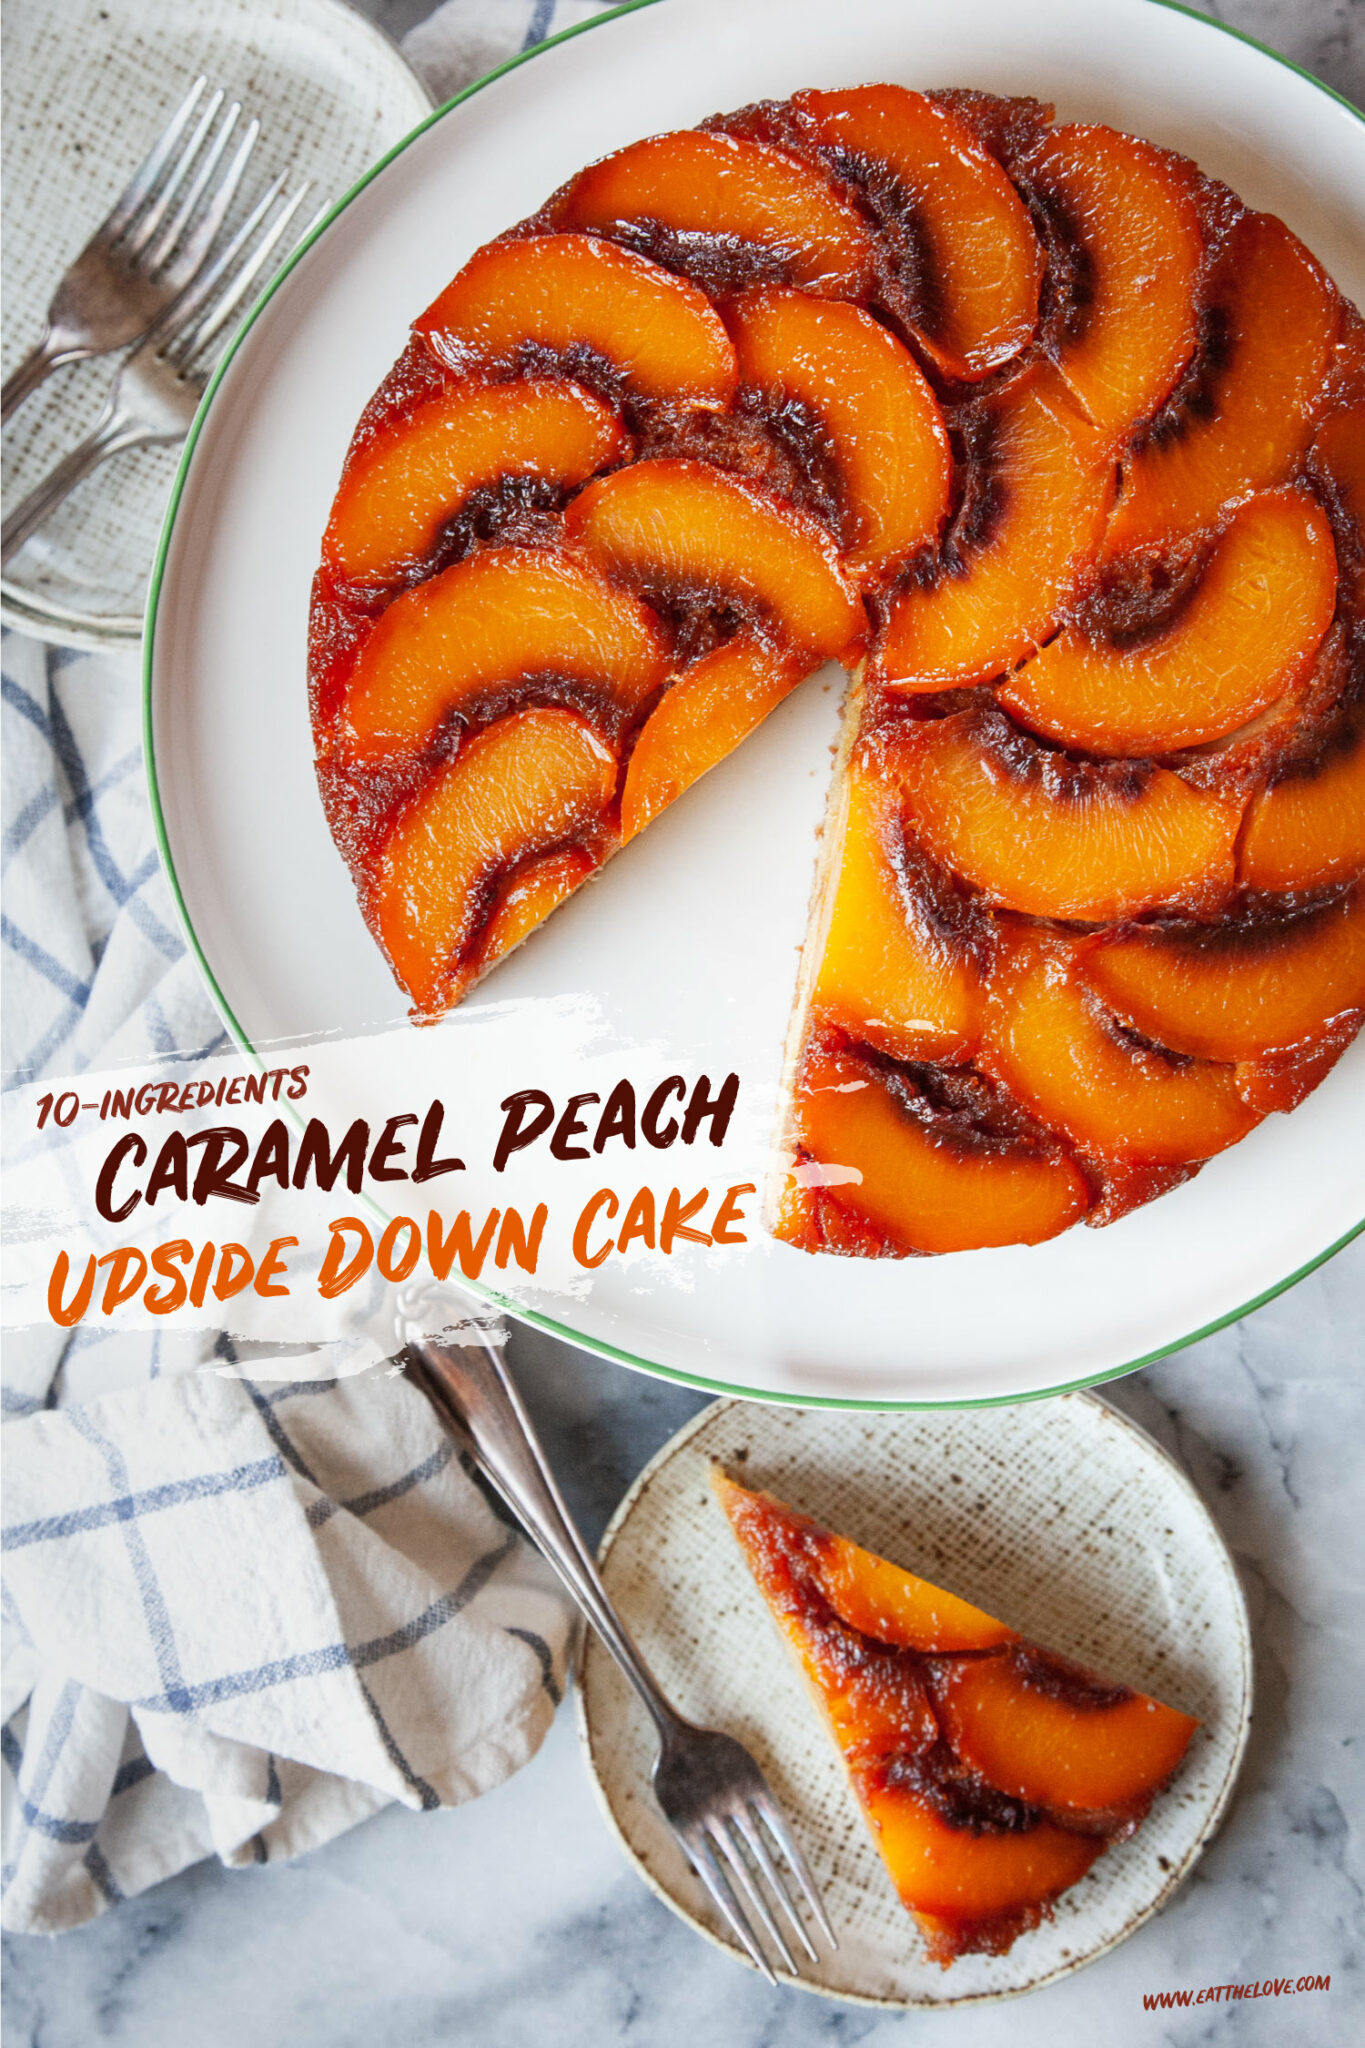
x=1059, y=1516
x=88, y=85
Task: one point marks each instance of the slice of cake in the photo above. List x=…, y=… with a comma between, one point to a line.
x=991, y=1772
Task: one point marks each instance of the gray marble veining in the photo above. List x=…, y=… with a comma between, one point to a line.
x=515, y=1921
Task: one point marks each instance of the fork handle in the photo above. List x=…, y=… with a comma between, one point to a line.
x=115, y=432
x=37, y=365
x=470, y=1388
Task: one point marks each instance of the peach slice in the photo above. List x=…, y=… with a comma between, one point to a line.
x=1132, y=323
x=895, y=973
x=894, y=1606
x=1340, y=451
x=1049, y=1744
x=922, y=1187
x=698, y=187
x=1248, y=635
x=584, y=300
x=1012, y=560
x=703, y=716
x=981, y=260
x=964, y=1876
x=1276, y=318
x=876, y=1701
x=1238, y=991
x=520, y=787
x=1051, y=837
x=500, y=618
x=413, y=477
x=676, y=525
x=1281, y=1080
x=890, y=443
x=528, y=901
x=1308, y=828
x=1065, y=1059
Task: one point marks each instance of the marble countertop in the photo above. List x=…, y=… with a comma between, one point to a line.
x=515, y=1920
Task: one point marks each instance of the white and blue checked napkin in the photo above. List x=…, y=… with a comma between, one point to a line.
x=241, y=1618
x=238, y=1616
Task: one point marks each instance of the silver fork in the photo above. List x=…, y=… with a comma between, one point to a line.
x=710, y=1791
x=143, y=256
x=158, y=388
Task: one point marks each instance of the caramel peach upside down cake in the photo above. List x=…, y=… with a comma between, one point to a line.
x=1060, y=450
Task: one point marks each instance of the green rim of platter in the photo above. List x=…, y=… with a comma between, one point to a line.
x=531, y=1316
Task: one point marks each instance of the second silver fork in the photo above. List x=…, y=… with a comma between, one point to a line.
x=138, y=262
x=158, y=388
x=709, y=1788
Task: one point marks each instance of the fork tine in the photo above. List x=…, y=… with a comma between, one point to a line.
x=146, y=177
x=170, y=235
x=724, y=1834
x=206, y=228
x=770, y=1815
x=758, y=1849
x=175, y=328
x=143, y=229
x=192, y=353
x=703, y=1860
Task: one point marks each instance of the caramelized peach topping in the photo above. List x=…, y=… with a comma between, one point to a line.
x=1339, y=451
x=523, y=785
x=1250, y=413
x=495, y=624
x=888, y=433
x=893, y=1606
x=975, y=266
x=1248, y=635
x=408, y=482
x=1039, y=833
x=527, y=901
x=703, y=716
x=1272, y=980
x=901, y=965
x=970, y=1888
x=1031, y=519
x=692, y=187
x=922, y=1182
x=1129, y=323
x=1074, y=1065
x=675, y=526
x=1041, y=1746
x=586, y=302
x=1307, y=830
x=991, y=1773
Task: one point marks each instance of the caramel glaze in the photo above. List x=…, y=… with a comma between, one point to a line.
x=787, y=1552
x=1333, y=722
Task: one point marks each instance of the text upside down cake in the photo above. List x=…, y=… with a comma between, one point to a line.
x=1060, y=450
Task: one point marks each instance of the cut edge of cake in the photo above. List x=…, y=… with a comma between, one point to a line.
x=948, y=1832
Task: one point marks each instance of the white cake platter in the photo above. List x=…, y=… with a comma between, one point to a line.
x=689, y=938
